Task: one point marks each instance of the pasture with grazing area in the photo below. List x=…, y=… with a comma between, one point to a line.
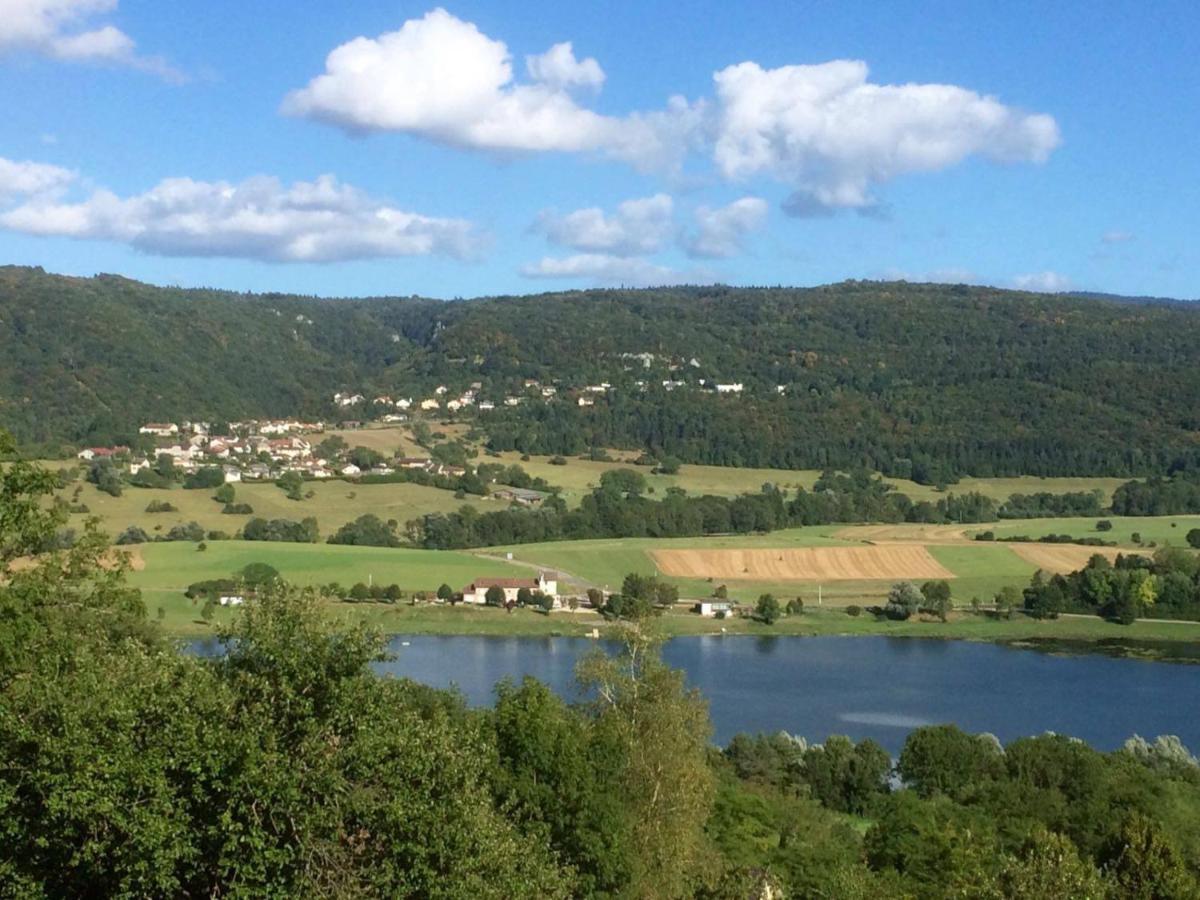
x=333, y=504
x=168, y=568
x=581, y=476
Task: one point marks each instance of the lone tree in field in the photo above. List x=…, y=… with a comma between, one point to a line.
x=445, y=592
x=903, y=601
x=937, y=598
x=767, y=609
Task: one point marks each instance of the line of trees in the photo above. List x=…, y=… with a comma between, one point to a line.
x=1163, y=586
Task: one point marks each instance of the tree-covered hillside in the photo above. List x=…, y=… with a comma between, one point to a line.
x=922, y=380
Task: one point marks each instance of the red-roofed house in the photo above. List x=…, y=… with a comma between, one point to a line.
x=476, y=591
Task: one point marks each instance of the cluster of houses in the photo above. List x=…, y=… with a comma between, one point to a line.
x=254, y=450
x=387, y=408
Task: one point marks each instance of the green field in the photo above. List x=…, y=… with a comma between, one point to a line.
x=1158, y=529
x=163, y=571
x=333, y=504
x=580, y=476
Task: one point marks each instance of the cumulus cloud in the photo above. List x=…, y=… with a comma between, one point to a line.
x=1116, y=236
x=441, y=78
x=1042, y=282
x=603, y=268
x=260, y=218
x=832, y=135
x=67, y=30
x=559, y=68
x=638, y=226
x=720, y=231
x=31, y=178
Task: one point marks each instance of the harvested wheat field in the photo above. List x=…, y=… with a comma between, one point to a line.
x=1061, y=558
x=803, y=564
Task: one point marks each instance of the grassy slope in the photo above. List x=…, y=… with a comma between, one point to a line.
x=334, y=503
x=1160, y=529
x=170, y=568
x=579, y=476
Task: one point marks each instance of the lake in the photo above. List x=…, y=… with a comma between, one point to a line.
x=875, y=687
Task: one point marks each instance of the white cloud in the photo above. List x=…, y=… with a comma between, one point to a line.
x=1116, y=236
x=559, y=68
x=66, y=30
x=603, y=268
x=639, y=226
x=32, y=178
x=720, y=231
x=260, y=218
x=1042, y=282
x=441, y=78
x=832, y=135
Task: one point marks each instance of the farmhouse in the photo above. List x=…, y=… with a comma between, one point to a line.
x=522, y=496
x=711, y=608
x=546, y=583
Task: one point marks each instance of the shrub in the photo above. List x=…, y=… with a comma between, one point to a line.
x=1104, y=525
x=208, y=477
x=854, y=610
x=132, y=535
x=161, y=506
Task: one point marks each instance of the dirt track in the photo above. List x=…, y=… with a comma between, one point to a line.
x=892, y=561
x=1060, y=558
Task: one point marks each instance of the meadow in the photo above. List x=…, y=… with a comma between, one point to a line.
x=333, y=503
x=581, y=476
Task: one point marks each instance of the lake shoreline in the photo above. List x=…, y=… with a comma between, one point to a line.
x=1069, y=635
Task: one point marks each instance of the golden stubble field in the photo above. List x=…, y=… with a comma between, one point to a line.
x=891, y=561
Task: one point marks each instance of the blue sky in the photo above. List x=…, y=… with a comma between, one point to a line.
x=465, y=151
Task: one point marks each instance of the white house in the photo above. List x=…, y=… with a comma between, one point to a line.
x=710, y=608
x=729, y=388
x=586, y=401
x=232, y=474
x=429, y=404
x=350, y=469
x=159, y=429
x=546, y=582
x=231, y=600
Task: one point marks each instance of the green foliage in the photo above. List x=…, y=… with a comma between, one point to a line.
x=205, y=478
x=367, y=531
x=225, y=494
x=936, y=595
x=655, y=732
x=303, y=532
x=767, y=609
x=903, y=601
x=942, y=759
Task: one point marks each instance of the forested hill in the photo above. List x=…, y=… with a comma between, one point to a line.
x=923, y=379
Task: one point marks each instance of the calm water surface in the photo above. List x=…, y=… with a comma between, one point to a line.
x=874, y=687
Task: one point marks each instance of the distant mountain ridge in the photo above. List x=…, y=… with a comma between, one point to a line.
x=950, y=379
